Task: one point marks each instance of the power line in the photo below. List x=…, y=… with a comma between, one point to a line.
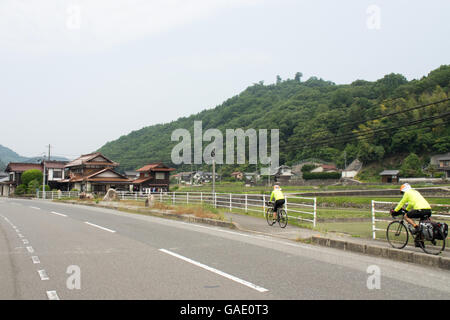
x=368, y=136
x=371, y=131
x=383, y=116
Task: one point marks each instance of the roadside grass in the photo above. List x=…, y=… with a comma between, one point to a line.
x=239, y=187
x=358, y=201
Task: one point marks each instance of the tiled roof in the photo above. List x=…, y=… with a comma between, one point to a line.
x=87, y=157
x=154, y=166
x=389, y=173
x=21, y=167
x=55, y=164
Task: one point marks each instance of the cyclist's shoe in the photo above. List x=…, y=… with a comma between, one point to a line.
x=419, y=244
x=413, y=230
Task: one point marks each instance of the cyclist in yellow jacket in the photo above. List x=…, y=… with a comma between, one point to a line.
x=278, y=196
x=421, y=209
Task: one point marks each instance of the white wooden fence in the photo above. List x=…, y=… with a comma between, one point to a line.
x=298, y=208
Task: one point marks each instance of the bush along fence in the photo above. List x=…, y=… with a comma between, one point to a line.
x=381, y=215
x=297, y=208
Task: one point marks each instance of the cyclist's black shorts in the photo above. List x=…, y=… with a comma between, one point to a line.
x=421, y=214
x=278, y=204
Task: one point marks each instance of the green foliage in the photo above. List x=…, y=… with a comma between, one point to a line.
x=30, y=175
x=311, y=116
x=308, y=168
x=411, y=167
x=33, y=185
x=21, y=189
x=47, y=188
x=321, y=175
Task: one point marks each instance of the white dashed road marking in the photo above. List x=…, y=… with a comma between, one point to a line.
x=94, y=225
x=223, y=274
x=36, y=208
x=35, y=259
x=43, y=275
x=30, y=249
x=59, y=214
x=52, y=295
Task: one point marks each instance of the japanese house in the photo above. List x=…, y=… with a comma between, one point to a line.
x=94, y=173
x=153, y=177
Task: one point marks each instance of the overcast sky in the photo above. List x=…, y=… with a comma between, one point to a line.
x=77, y=74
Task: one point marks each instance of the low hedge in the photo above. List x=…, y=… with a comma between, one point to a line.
x=321, y=175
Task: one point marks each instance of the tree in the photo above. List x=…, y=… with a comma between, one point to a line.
x=298, y=76
x=411, y=166
x=30, y=175
x=278, y=79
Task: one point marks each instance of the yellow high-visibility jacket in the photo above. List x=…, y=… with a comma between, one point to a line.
x=414, y=200
x=277, y=195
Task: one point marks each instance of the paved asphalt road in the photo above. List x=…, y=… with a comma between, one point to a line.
x=127, y=256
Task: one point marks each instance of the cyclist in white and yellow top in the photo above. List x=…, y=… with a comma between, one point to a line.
x=421, y=209
x=278, y=196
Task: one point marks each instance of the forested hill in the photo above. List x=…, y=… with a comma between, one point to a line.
x=318, y=119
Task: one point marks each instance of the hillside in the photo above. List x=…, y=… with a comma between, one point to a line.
x=7, y=155
x=317, y=119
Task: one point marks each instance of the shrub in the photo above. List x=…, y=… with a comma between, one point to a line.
x=30, y=175
x=308, y=168
x=21, y=189
x=74, y=190
x=47, y=188
x=32, y=186
x=321, y=175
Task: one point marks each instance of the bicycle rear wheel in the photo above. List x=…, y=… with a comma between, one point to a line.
x=282, y=218
x=434, y=246
x=397, y=235
x=269, y=217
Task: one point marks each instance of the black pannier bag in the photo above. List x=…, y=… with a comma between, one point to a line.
x=440, y=226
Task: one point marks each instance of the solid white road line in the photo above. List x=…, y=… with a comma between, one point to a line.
x=59, y=214
x=35, y=259
x=94, y=225
x=43, y=275
x=52, y=295
x=223, y=274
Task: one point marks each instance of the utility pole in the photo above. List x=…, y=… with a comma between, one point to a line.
x=49, y=146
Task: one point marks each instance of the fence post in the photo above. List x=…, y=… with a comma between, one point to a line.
x=231, y=202
x=160, y=196
x=373, y=220
x=246, y=201
x=187, y=197
x=215, y=199
x=264, y=205
x=315, y=212
x=173, y=197
x=201, y=197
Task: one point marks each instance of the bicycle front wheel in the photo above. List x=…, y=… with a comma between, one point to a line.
x=282, y=218
x=397, y=235
x=269, y=217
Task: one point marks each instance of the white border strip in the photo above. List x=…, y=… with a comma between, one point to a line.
x=223, y=274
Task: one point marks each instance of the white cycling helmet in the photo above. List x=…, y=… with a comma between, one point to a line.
x=405, y=187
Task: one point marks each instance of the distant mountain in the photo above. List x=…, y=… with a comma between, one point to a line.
x=7, y=155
